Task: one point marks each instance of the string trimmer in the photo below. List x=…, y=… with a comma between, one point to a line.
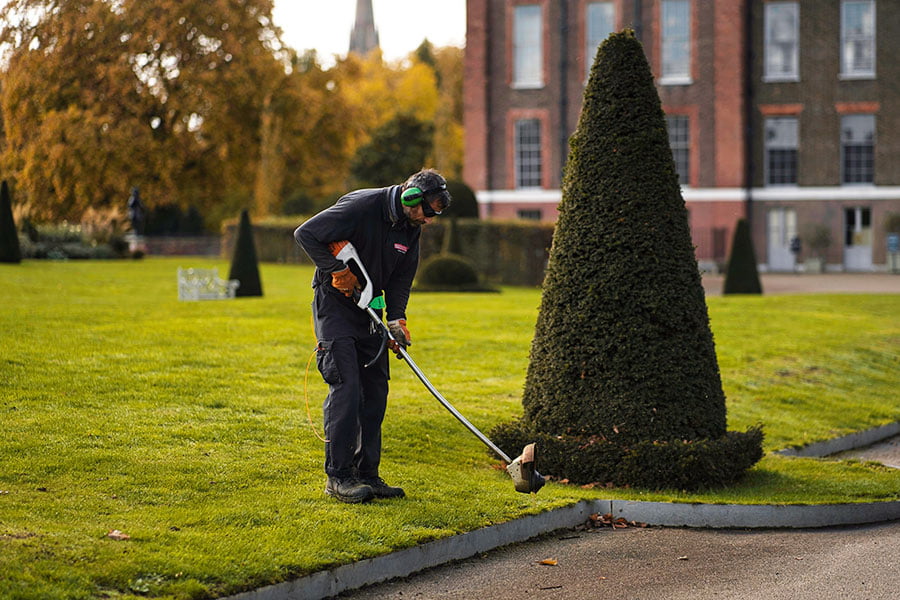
x=521, y=469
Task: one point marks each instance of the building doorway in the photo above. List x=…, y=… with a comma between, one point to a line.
x=782, y=228
x=858, y=239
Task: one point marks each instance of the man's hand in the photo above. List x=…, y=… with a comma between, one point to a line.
x=401, y=335
x=345, y=281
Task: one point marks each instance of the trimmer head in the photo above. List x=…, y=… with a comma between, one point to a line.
x=524, y=475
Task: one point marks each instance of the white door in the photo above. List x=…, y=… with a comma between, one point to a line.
x=858, y=239
x=782, y=228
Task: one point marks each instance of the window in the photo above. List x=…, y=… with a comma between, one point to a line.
x=528, y=153
x=782, y=52
x=858, y=38
x=676, y=41
x=600, y=22
x=680, y=142
x=527, y=50
x=858, y=149
x=529, y=214
x=858, y=226
x=781, y=151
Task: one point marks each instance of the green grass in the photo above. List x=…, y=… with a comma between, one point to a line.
x=184, y=426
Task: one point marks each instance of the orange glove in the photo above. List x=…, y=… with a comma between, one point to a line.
x=401, y=335
x=345, y=281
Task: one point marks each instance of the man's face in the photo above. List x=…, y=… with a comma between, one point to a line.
x=416, y=215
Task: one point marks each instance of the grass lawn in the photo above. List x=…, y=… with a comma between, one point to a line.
x=183, y=425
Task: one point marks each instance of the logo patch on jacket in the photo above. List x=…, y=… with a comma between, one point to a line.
x=401, y=248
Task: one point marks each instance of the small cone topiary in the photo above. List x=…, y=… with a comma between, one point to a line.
x=244, y=265
x=742, y=276
x=623, y=385
x=10, y=252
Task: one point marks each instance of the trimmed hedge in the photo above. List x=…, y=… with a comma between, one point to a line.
x=449, y=273
x=742, y=276
x=244, y=264
x=623, y=355
x=679, y=464
x=10, y=251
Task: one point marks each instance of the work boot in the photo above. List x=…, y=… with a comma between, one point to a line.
x=383, y=490
x=349, y=489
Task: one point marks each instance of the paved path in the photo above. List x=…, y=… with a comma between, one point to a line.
x=861, y=562
x=886, y=452
x=789, y=283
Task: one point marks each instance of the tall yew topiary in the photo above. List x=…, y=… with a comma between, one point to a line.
x=10, y=252
x=742, y=277
x=244, y=265
x=623, y=384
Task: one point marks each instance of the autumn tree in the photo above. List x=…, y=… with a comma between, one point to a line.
x=199, y=103
x=318, y=137
x=100, y=96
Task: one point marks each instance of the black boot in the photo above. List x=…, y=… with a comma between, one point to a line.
x=349, y=489
x=383, y=490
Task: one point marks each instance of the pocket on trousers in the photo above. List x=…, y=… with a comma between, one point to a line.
x=326, y=363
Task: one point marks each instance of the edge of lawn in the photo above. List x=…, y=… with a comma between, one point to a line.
x=624, y=513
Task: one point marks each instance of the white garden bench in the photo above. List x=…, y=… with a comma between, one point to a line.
x=204, y=284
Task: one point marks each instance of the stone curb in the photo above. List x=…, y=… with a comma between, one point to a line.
x=859, y=439
x=325, y=584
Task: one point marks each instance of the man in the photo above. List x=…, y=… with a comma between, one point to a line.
x=384, y=226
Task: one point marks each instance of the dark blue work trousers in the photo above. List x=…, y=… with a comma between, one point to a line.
x=357, y=395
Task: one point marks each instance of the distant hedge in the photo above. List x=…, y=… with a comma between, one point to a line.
x=504, y=252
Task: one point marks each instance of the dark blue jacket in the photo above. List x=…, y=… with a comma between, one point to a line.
x=388, y=245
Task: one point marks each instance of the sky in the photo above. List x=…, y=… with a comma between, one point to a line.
x=402, y=25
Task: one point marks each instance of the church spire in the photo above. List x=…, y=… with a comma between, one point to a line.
x=364, y=37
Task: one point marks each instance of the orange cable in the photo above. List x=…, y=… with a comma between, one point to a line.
x=306, y=397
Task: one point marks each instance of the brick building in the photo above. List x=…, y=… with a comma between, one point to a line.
x=784, y=112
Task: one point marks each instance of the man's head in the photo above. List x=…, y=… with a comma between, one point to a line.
x=424, y=195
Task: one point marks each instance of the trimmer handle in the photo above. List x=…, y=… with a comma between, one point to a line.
x=345, y=252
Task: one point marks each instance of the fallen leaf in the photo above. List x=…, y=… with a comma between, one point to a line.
x=602, y=578
x=682, y=558
x=548, y=561
x=115, y=534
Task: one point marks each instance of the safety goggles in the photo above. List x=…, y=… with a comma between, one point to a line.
x=428, y=211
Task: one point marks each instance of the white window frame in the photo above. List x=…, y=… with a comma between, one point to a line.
x=599, y=22
x=853, y=39
x=847, y=123
x=527, y=155
x=788, y=45
x=784, y=140
x=528, y=50
x=675, y=39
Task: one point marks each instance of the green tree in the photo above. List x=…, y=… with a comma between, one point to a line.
x=742, y=276
x=397, y=149
x=623, y=383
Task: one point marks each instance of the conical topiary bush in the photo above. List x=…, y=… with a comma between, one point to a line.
x=742, y=277
x=244, y=266
x=623, y=384
x=10, y=252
